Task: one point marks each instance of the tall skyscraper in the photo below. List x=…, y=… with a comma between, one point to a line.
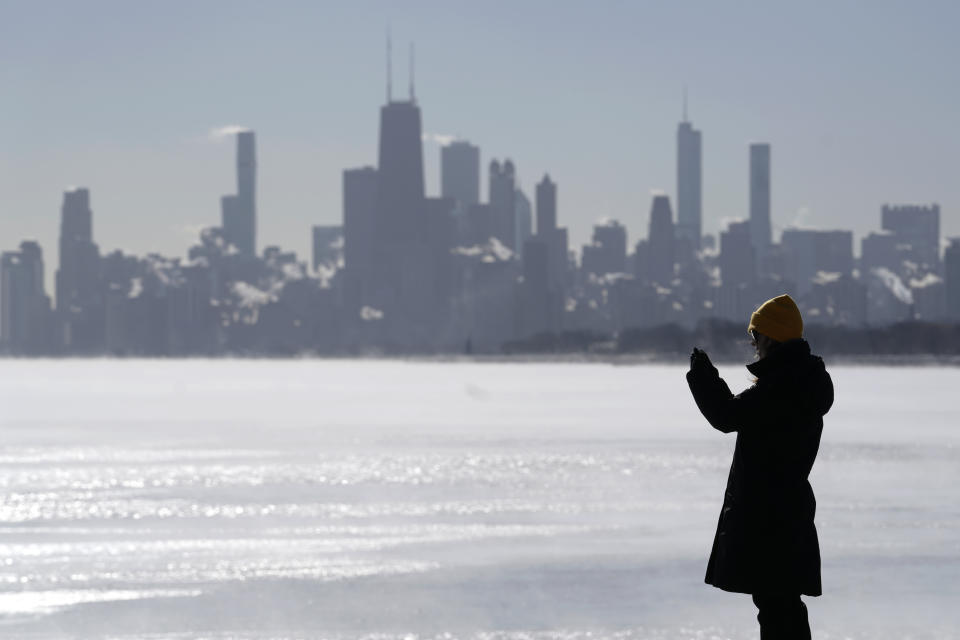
x=523, y=220
x=398, y=280
x=539, y=303
x=13, y=323
x=460, y=173
x=689, y=183
x=661, y=252
x=760, y=232
x=80, y=303
x=31, y=256
x=402, y=284
x=546, y=206
x=400, y=192
x=359, y=219
x=24, y=306
x=76, y=278
x=502, y=200
x=238, y=211
x=547, y=230
x=399, y=219
x=246, y=205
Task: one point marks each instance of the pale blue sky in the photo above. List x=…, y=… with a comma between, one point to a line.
x=858, y=100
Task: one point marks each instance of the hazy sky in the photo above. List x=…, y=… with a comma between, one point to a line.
x=858, y=99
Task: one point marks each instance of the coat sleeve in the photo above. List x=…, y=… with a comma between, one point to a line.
x=723, y=410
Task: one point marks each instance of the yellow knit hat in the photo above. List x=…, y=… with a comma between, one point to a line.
x=778, y=318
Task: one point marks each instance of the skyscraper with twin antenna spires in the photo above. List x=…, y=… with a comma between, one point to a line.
x=400, y=164
x=399, y=278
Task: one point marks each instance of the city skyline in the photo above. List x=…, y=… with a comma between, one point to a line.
x=407, y=271
x=829, y=160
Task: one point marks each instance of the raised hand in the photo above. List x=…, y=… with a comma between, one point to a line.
x=699, y=358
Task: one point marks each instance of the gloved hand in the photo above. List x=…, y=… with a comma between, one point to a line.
x=700, y=360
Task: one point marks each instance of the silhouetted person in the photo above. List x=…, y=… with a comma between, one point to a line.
x=766, y=541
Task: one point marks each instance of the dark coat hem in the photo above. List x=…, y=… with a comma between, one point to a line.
x=749, y=591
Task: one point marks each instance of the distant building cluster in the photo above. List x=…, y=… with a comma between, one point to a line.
x=412, y=273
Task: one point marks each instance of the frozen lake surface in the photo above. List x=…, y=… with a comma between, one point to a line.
x=421, y=501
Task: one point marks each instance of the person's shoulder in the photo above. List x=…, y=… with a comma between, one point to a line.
x=817, y=362
x=819, y=384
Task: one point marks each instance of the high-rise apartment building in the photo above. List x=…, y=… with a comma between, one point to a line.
x=737, y=255
x=24, y=306
x=608, y=251
x=246, y=206
x=661, y=253
x=502, y=198
x=359, y=219
x=546, y=205
x=909, y=239
x=31, y=257
x=80, y=304
x=807, y=252
x=539, y=303
x=522, y=220
x=460, y=173
x=238, y=211
x=917, y=231
x=549, y=232
x=78, y=273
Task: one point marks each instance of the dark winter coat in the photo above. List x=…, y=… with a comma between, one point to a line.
x=766, y=541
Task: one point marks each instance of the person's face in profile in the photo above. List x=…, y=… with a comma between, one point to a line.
x=763, y=344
